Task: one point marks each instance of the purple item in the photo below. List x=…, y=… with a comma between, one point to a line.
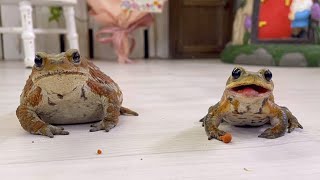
x=315, y=11
x=248, y=23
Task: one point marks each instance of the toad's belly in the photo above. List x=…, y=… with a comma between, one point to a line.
x=77, y=107
x=246, y=119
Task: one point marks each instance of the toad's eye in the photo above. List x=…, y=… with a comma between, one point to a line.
x=38, y=61
x=236, y=73
x=268, y=75
x=76, y=57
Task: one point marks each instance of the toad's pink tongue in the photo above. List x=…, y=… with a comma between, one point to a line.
x=248, y=92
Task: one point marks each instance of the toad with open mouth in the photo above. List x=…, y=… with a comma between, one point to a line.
x=248, y=101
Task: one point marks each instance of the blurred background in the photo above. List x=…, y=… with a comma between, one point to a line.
x=184, y=29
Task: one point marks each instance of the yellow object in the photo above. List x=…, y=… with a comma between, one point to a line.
x=262, y=23
x=262, y=1
x=156, y=3
x=287, y=2
x=291, y=16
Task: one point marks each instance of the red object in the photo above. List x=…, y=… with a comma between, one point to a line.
x=99, y=151
x=226, y=138
x=275, y=14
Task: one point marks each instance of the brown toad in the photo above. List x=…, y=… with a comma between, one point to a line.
x=248, y=101
x=68, y=89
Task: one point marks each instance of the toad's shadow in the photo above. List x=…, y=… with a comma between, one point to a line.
x=195, y=138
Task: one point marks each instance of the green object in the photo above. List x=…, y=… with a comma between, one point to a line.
x=246, y=38
x=318, y=34
x=55, y=12
x=243, y=3
x=310, y=52
x=316, y=28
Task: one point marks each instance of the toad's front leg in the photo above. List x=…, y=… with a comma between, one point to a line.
x=29, y=119
x=211, y=123
x=212, y=129
x=112, y=113
x=111, y=106
x=292, y=120
x=279, y=124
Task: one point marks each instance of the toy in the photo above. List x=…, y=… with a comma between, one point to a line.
x=275, y=33
x=299, y=15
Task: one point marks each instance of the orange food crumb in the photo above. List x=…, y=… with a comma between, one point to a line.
x=226, y=138
x=99, y=151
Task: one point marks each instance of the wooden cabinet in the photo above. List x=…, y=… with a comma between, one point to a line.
x=199, y=28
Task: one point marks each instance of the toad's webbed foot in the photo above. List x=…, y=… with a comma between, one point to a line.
x=292, y=120
x=274, y=132
x=110, y=121
x=50, y=131
x=279, y=126
x=103, y=125
x=202, y=120
x=216, y=134
x=293, y=124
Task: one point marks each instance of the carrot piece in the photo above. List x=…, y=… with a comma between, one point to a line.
x=99, y=151
x=226, y=138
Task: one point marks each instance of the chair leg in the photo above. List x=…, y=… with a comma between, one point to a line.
x=72, y=34
x=27, y=33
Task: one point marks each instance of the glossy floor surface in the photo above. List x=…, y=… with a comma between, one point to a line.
x=166, y=141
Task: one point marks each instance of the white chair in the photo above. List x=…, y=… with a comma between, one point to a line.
x=28, y=32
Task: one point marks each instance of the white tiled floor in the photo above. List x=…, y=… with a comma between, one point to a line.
x=166, y=141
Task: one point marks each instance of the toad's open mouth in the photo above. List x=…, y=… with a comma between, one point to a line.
x=250, y=90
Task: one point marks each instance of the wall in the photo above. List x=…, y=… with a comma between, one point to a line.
x=12, y=48
x=161, y=33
